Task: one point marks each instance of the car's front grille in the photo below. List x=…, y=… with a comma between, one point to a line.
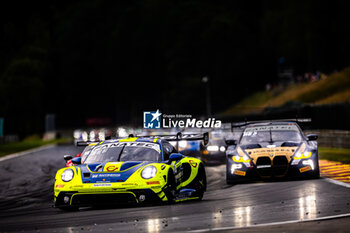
x=98, y=199
x=280, y=165
x=276, y=167
x=263, y=165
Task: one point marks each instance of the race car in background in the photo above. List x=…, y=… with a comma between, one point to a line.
x=272, y=149
x=215, y=151
x=131, y=170
x=83, y=154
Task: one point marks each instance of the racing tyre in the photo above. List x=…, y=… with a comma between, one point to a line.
x=201, y=181
x=316, y=174
x=169, y=191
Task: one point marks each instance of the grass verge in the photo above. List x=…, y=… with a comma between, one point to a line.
x=334, y=154
x=26, y=144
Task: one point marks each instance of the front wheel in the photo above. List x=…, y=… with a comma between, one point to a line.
x=169, y=190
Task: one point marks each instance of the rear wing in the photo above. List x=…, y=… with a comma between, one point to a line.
x=245, y=123
x=178, y=137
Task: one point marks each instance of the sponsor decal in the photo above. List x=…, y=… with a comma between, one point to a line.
x=104, y=175
x=193, y=164
x=305, y=169
x=101, y=185
x=252, y=132
x=155, y=120
x=152, y=182
x=240, y=173
x=263, y=166
x=59, y=185
x=105, y=147
x=112, y=168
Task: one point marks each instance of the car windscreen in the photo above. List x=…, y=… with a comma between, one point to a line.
x=271, y=133
x=124, y=151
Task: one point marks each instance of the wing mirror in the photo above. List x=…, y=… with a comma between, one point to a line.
x=67, y=157
x=206, y=138
x=175, y=157
x=76, y=160
x=231, y=142
x=312, y=137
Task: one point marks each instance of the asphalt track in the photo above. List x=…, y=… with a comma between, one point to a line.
x=26, y=193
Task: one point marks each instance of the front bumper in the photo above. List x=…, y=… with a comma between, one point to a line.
x=136, y=196
x=80, y=194
x=247, y=173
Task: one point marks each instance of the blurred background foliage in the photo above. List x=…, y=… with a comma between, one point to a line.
x=95, y=58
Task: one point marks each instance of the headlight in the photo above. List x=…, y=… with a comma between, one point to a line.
x=297, y=155
x=149, y=172
x=245, y=158
x=239, y=159
x=222, y=148
x=67, y=175
x=306, y=154
x=213, y=148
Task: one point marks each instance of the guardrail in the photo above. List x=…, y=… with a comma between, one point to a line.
x=332, y=138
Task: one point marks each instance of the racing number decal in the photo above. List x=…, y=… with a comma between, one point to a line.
x=112, y=168
x=193, y=164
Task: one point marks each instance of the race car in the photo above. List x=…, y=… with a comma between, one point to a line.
x=272, y=149
x=215, y=152
x=130, y=171
x=83, y=154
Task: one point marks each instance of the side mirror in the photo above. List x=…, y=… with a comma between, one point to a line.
x=175, y=157
x=230, y=142
x=76, y=160
x=67, y=157
x=206, y=138
x=312, y=137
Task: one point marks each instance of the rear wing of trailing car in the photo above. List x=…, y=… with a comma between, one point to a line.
x=178, y=137
x=245, y=123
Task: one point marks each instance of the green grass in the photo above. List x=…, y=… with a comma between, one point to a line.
x=332, y=89
x=334, y=154
x=26, y=144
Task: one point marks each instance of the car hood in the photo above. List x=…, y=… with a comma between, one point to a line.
x=272, y=151
x=110, y=171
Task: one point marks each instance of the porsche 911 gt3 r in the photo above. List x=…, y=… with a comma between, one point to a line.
x=130, y=170
x=272, y=150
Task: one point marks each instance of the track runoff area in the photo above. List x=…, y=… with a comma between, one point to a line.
x=335, y=170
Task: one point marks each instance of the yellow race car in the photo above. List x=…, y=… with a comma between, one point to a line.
x=131, y=170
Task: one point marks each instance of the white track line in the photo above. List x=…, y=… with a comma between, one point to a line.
x=11, y=156
x=272, y=224
x=337, y=182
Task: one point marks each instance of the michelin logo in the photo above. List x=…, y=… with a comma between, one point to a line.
x=151, y=120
